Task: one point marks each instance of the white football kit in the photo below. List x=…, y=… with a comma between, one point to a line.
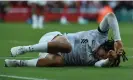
x=83, y=44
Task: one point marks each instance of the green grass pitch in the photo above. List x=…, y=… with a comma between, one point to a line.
x=15, y=34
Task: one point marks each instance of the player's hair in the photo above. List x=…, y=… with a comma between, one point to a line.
x=109, y=45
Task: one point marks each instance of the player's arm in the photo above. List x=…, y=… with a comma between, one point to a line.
x=111, y=60
x=102, y=63
x=108, y=22
x=108, y=63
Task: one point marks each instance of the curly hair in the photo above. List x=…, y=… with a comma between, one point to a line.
x=109, y=45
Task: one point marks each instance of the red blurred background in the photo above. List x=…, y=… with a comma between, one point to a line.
x=20, y=11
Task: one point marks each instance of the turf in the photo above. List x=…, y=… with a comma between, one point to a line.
x=15, y=34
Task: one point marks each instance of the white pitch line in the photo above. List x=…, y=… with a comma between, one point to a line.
x=17, y=57
x=129, y=48
x=129, y=56
x=20, y=42
x=20, y=77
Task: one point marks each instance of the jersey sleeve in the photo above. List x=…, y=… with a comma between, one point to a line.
x=108, y=22
x=102, y=63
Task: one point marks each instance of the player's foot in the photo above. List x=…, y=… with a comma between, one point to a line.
x=34, y=21
x=81, y=20
x=17, y=51
x=40, y=26
x=34, y=26
x=12, y=63
x=40, y=22
x=63, y=20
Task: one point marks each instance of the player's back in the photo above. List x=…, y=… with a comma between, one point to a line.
x=83, y=44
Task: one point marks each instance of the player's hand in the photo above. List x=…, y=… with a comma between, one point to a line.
x=118, y=47
x=114, y=59
x=112, y=55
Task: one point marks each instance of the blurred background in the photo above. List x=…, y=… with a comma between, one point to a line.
x=65, y=11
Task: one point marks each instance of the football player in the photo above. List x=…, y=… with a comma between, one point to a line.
x=85, y=48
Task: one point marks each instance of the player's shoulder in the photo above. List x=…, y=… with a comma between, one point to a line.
x=93, y=31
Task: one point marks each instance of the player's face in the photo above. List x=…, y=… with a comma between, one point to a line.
x=102, y=54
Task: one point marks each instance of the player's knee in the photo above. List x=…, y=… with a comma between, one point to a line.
x=66, y=48
x=63, y=44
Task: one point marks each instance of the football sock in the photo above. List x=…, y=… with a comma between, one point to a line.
x=40, y=21
x=40, y=47
x=29, y=63
x=34, y=20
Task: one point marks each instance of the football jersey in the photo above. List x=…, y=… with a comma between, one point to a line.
x=83, y=44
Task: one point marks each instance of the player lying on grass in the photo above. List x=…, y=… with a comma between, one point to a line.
x=85, y=48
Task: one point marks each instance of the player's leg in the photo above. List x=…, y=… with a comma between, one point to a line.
x=41, y=17
x=34, y=15
x=50, y=60
x=81, y=9
x=37, y=18
x=63, y=19
x=41, y=5
x=58, y=44
x=46, y=60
